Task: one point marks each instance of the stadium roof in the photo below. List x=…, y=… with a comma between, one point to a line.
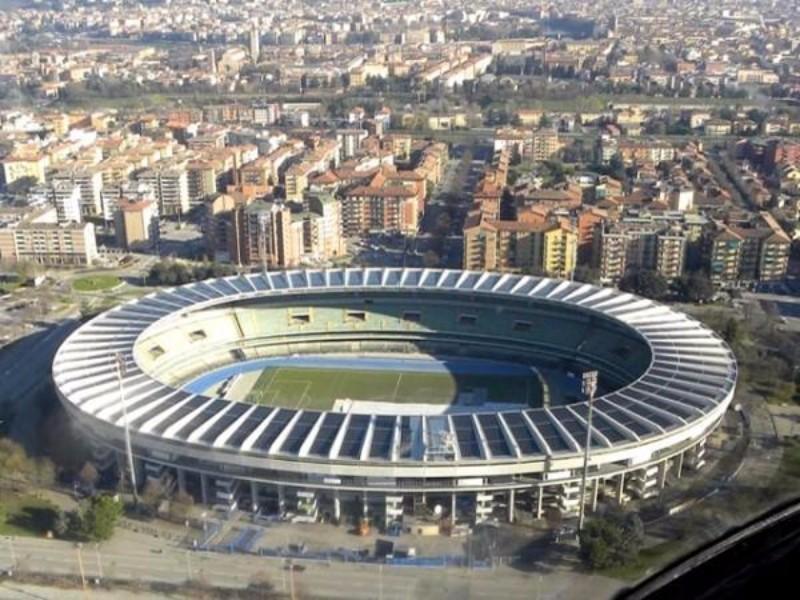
x=692, y=373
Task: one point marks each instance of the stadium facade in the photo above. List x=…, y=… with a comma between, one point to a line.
x=665, y=382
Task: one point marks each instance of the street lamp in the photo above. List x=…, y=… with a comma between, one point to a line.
x=128, y=449
x=588, y=389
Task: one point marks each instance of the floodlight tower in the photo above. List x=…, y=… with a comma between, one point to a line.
x=120, y=361
x=588, y=389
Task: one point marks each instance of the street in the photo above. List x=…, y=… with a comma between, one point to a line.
x=329, y=580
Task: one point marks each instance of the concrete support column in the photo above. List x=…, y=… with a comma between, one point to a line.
x=181, y=481
x=679, y=468
x=511, y=499
x=254, y=495
x=138, y=465
x=662, y=474
x=337, y=507
x=539, y=500
x=621, y=487
x=281, y=499
x=595, y=493
x=452, y=509
x=204, y=488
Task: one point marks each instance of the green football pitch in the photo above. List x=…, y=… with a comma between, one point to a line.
x=318, y=388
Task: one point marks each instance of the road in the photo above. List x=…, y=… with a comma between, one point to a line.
x=335, y=580
x=24, y=366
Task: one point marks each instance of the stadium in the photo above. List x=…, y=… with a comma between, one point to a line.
x=387, y=392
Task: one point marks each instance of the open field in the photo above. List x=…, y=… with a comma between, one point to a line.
x=96, y=283
x=318, y=388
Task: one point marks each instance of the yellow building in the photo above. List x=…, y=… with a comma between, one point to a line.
x=19, y=165
x=559, y=250
x=519, y=247
x=296, y=180
x=545, y=144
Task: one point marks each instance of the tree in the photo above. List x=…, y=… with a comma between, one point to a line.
x=784, y=392
x=18, y=469
x=695, y=287
x=586, y=274
x=88, y=474
x=172, y=272
x=443, y=224
x=611, y=541
x=731, y=333
x=430, y=259
x=61, y=524
x=100, y=517
x=21, y=186
x=152, y=494
x=180, y=507
x=648, y=284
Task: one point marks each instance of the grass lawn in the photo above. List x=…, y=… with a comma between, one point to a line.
x=96, y=283
x=22, y=514
x=790, y=461
x=318, y=388
x=7, y=287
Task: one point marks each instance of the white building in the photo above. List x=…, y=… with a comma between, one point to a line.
x=66, y=197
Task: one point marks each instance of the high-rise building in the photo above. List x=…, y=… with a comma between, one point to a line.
x=559, y=253
x=626, y=246
x=391, y=201
x=743, y=255
x=128, y=190
x=136, y=224
x=224, y=227
x=255, y=43
x=90, y=182
x=548, y=248
x=201, y=178
x=270, y=238
x=170, y=184
x=588, y=220
x=66, y=197
x=323, y=238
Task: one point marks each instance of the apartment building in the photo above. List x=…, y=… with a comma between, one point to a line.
x=201, y=179
x=545, y=144
x=271, y=235
x=587, y=224
x=350, y=141
x=559, y=250
x=724, y=248
x=624, y=246
x=66, y=197
x=257, y=173
x=136, y=224
x=323, y=237
x=223, y=227
x=112, y=195
x=644, y=152
x=391, y=201
x=743, y=255
x=39, y=238
x=519, y=247
x=90, y=183
x=170, y=184
x=296, y=180
x=21, y=164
